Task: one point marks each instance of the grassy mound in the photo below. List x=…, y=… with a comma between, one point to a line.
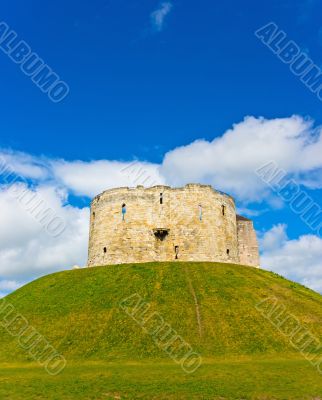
x=211, y=306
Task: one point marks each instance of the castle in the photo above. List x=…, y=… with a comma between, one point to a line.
x=160, y=223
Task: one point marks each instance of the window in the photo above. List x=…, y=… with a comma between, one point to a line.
x=200, y=212
x=105, y=249
x=123, y=211
x=227, y=251
x=223, y=208
x=161, y=198
x=176, y=251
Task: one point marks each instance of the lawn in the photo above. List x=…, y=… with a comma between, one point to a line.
x=249, y=378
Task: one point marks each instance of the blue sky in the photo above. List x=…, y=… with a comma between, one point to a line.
x=138, y=92
x=145, y=79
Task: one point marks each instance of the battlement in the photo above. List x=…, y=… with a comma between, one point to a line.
x=126, y=189
x=161, y=223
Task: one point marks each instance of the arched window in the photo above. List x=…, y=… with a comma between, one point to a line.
x=223, y=209
x=161, y=198
x=227, y=251
x=105, y=249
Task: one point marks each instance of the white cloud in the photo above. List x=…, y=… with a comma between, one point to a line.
x=158, y=16
x=274, y=238
x=229, y=161
x=27, y=250
x=91, y=178
x=247, y=212
x=22, y=164
x=8, y=286
x=299, y=260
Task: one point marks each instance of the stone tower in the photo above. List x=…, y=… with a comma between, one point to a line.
x=192, y=223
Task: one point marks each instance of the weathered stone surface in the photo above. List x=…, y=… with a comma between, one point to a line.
x=247, y=242
x=193, y=223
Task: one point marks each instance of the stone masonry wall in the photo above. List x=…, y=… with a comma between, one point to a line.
x=164, y=232
x=247, y=242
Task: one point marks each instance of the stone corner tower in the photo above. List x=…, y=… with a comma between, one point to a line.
x=160, y=223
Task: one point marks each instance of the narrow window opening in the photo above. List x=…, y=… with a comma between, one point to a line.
x=223, y=209
x=227, y=251
x=176, y=252
x=123, y=211
x=200, y=212
x=161, y=198
x=105, y=249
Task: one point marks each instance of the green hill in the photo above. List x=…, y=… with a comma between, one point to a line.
x=212, y=306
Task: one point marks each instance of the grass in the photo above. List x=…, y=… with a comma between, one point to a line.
x=211, y=305
x=217, y=379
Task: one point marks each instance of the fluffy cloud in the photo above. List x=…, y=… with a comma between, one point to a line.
x=8, y=286
x=23, y=164
x=27, y=248
x=158, y=16
x=230, y=161
x=91, y=178
x=299, y=260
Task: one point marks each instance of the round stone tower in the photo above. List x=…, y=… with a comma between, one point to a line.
x=192, y=223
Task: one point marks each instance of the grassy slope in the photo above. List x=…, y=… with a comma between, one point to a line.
x=78, y=311
x=244, y=357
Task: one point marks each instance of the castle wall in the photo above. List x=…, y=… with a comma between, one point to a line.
x=247, y=242
x=177, y=221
